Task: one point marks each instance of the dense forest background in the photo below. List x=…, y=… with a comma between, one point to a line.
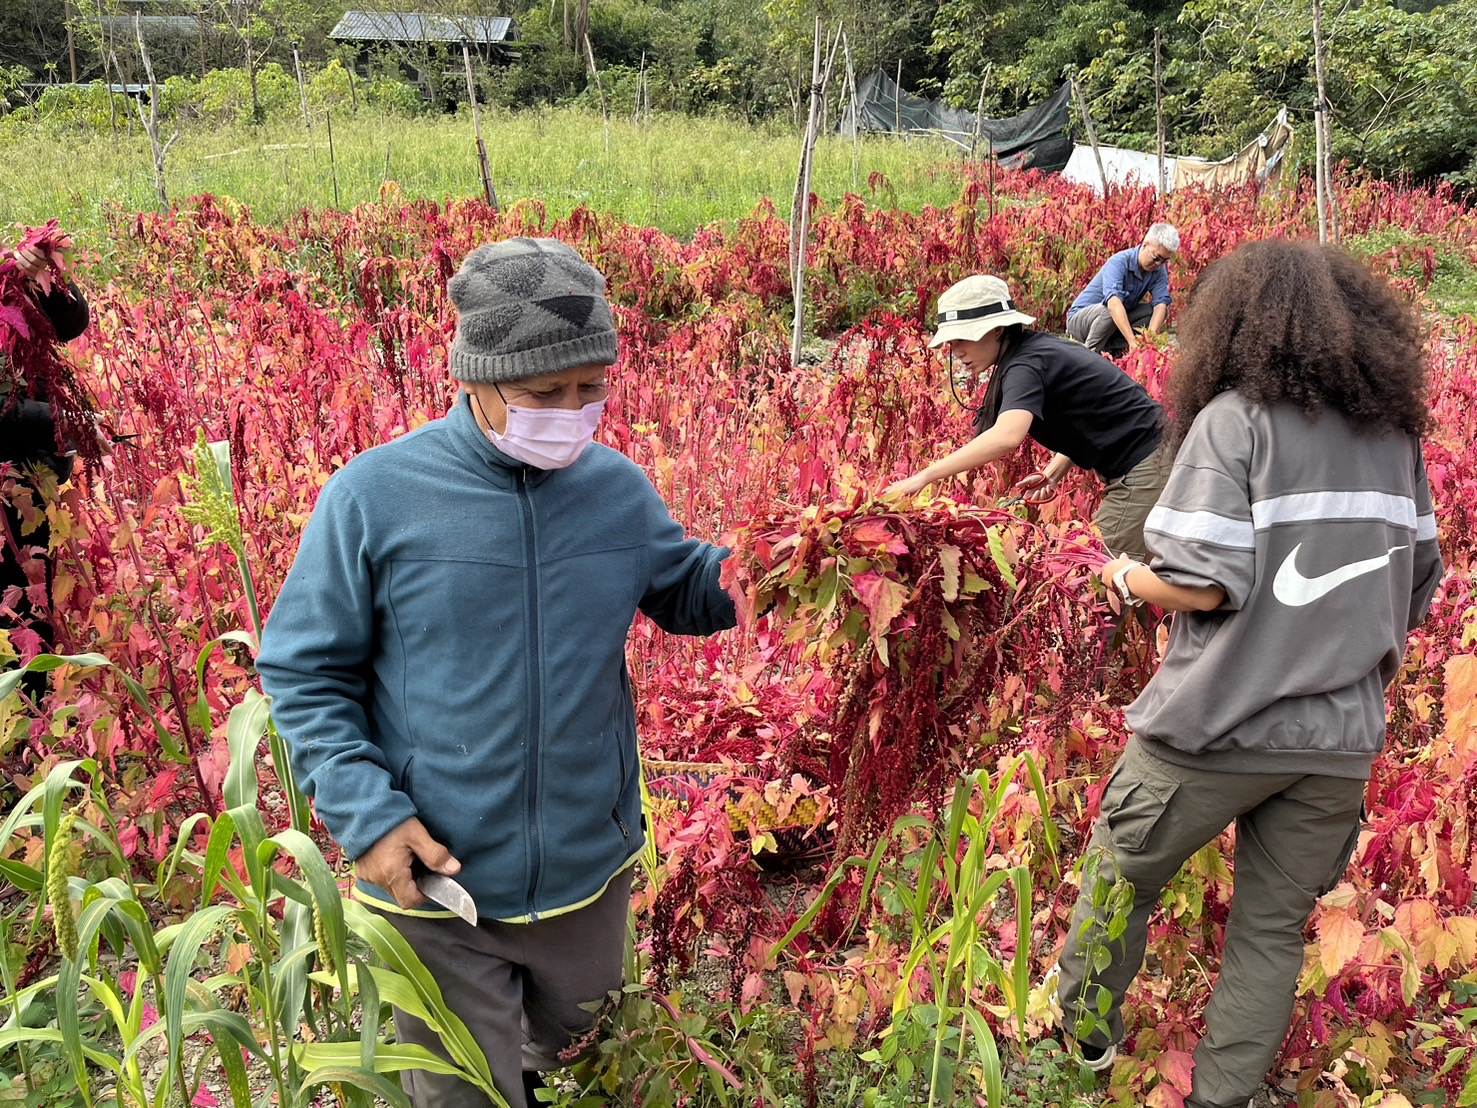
x=1402, y=73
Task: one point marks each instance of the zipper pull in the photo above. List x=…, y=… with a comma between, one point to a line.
x=620, y=823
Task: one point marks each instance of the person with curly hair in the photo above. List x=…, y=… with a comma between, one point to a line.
x=1297, y=541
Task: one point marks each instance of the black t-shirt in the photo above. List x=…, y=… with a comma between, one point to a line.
x=1081, y=404
x=27, y=429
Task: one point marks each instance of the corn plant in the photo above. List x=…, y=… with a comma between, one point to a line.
x=944, y=890
x=310, y=954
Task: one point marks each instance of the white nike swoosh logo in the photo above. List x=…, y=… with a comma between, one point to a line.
x=1295, y=590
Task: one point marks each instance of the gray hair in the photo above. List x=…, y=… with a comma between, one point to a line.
x=1165, y=235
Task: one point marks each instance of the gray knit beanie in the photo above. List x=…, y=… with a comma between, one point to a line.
x=526, y=307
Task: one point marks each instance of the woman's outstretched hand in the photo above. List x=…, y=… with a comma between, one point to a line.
x=908, y=486
x=1037, y=488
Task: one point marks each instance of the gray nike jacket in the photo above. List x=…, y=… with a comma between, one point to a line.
x=1324, y=542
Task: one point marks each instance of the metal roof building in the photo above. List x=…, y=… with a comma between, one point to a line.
x=479, y=30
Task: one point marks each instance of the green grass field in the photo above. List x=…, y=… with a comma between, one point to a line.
x=676, y=173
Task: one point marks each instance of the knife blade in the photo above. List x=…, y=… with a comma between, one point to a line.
x=447, y=893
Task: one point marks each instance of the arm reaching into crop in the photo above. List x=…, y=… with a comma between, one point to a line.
x=1004, y=437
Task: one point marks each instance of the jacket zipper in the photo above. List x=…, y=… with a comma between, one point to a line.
x=536, y=723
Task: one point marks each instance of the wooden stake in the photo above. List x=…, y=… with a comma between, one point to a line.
x=599, y=85
x=1328, y=219
x=1320, y=110
x=302, y=89
x=71, y=38
x=897, y=100
x=151, y=122
x=800, y=222
x=488, y=191
x=1159, y=118
x=1091, y=134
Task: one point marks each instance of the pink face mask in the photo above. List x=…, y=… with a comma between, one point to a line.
x=548, y=438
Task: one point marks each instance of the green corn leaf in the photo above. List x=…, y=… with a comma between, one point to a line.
x=69, y=1022
x=327, y=900
x=245, y=727
x=391, y=946
x=987, y=1055
x=217, y=856
x=361, y=1079
x=182, y=954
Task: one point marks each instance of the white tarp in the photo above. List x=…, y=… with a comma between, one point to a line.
x=1261, y=160
x=1123, y=167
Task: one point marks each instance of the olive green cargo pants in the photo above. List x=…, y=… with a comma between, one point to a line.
x=1295, y=834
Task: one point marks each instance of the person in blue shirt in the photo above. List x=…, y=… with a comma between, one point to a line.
x=1130, y=293
x=447, y=662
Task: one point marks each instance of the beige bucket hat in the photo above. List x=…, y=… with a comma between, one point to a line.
x=975, y=306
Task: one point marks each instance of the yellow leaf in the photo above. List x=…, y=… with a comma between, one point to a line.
x=1463, y=931
x=1339, y=936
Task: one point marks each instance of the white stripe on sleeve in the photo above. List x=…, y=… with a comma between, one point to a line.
x=1425, y=527
x=1202, y=527
x=1299, y=507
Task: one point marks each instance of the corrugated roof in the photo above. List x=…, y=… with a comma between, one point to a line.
x=361, y=26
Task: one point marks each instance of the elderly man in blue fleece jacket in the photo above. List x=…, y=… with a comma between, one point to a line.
x=447, y=662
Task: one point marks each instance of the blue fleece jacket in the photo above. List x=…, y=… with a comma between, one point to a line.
x=450, y=644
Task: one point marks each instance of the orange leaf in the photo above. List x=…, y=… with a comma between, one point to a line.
x=1174, y=1066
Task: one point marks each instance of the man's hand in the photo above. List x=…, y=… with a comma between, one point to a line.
x=388, y=862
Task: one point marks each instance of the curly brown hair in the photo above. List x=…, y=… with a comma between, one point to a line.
x=1306, y=323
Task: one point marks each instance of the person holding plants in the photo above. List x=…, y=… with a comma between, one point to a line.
x=1129, y=294
x=1297, y=541
x=38, y=308
x=1070, y=400
x=447, y=663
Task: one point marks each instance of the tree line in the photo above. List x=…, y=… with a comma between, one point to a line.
x=1402, y=85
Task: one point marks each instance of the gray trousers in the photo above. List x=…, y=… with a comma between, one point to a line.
x=518, y=987
x=1294, y=837
x=1094, y=328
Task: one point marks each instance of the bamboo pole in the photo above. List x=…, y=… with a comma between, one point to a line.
x=800, y=221
x=333, y=161
x=825, y=118
x=488, y=191
x=1320, y=166
x=1159, y=118
x=856, y=116
x=302, y=88
x=1091, y=134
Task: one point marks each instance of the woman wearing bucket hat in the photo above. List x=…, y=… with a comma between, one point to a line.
x=1070, y=400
